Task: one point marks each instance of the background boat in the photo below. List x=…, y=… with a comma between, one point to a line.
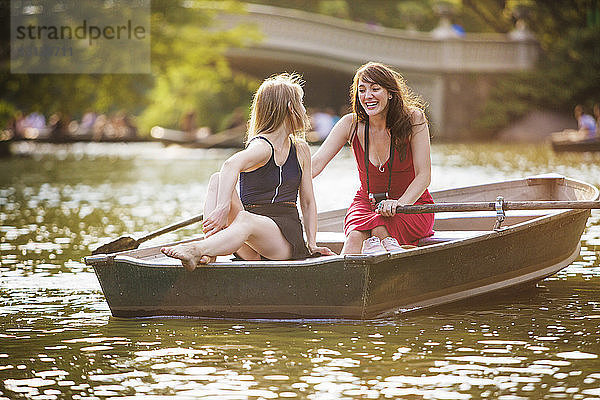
x=466, y=257
x=233, y=137
x=573, y=140
x=581, y=146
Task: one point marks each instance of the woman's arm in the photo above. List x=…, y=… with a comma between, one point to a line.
x=255, y=155
x=421, y=153
x=337, y=138
x=307, y=201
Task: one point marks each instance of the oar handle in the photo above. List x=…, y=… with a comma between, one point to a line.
x=491, y=206
x=170, y=228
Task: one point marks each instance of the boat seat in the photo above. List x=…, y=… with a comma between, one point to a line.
x=510, y=213
x=449, y=236
x=485, y=220
x=335, y=240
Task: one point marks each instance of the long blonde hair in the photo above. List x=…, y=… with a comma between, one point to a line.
x=278, y=101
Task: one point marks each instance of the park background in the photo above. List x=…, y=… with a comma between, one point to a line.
x=191, y=70
x=59, y=201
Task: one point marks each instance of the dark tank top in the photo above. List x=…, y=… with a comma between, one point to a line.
x=272, y=183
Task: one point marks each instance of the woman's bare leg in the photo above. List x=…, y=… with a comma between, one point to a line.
x=259, y=232
x=210, y=203
x=354, y=241
x=380, y=231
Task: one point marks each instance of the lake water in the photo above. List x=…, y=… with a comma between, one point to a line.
x=58, y=339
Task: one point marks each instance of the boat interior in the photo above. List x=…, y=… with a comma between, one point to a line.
x=453, y=226
x=449, y=226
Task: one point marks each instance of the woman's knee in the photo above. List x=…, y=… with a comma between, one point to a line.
x=245, y=219
x=353, y=243
x=356, y=237
x=380, y=231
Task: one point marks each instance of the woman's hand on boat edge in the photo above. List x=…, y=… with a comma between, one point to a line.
x=324, y=251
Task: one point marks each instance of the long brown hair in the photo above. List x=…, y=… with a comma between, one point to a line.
x=400, y=107
x=278, y=100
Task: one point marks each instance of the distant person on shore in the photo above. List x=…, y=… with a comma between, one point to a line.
x=273, y=169
x=597, y=118
x=15, y=125
x=129, y=128
x=188, y=125
x=98, y=127
x=585, y=122
x=33, y=126
x=394, y=170
x=322, y=123
x=86, y=125
x=35, y=120
x=58, y=124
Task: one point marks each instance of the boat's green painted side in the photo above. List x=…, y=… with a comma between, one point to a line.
x=284, y=291
x=461, y=269
x=354, y=287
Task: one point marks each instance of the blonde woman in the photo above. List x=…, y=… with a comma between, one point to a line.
x=273, y=169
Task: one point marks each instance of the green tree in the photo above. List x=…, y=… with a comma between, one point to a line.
x=68, y=93
x=189, y=68
x=189, y=72
x=567, y=73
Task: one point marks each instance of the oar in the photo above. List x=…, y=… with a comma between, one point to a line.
x=492, y=206
x=128, y=243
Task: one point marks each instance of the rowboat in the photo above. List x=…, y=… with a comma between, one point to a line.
x=470, y=254
x=230, y=138
x=577, y=146
x=574, y=141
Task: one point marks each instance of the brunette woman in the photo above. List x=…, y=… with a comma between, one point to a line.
x=389, y=135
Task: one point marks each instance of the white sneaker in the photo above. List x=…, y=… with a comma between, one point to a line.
x=391, y=244
x=372, y=246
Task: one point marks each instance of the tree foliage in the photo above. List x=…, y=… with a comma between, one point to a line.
x=567, y=73
x=474, y=15
x=189, y=73
x=190, y=70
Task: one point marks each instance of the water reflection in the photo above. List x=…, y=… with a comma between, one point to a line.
x=59, y=340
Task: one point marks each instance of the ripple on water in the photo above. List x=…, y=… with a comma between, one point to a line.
x=59, y=341
x=576, y=355
x=488, y=360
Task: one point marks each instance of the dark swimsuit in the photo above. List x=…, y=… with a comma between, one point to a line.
x=271, y=191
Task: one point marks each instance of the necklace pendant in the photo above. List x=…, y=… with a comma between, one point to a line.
x=381, y=168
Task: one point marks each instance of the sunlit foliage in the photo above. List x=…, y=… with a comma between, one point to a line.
x=189, y=73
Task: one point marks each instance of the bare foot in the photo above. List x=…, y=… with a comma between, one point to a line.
x=207, y=259
x=189, y=254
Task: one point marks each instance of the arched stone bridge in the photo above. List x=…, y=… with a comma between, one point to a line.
x=439, y=66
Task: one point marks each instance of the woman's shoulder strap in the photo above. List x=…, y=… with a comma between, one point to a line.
x=266, y=140
x=354, y=128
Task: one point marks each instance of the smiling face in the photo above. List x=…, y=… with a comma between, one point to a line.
x=373, y=97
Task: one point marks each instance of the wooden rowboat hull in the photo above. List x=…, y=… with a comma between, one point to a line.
x=231, y=138
x=576, y=146
x=143, y=283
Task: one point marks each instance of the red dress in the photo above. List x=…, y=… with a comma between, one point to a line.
x=406, y=228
